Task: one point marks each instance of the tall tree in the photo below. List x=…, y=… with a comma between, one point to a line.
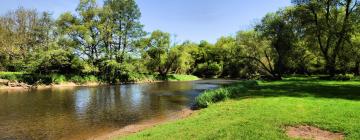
x=277, y=28
x=127, y=29
x=158, y=51
x=329, y=23
x=83, y=29
x=23, y=33
x=259, y=51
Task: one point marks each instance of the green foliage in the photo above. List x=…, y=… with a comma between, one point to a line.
x=160, y=59
x=91, y=78
x=83, y=79
x=179, y=77
x=321, y=26
x=58, y=79
x=208, y=70
x=138, y=77
x=77, y=79
x=278, y=29
x=55, y=60
x=108, y=41
x=12, y=76
x=111, y=71
x=340, y=77
x=213, y=96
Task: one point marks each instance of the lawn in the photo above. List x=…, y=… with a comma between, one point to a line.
x=264, y=112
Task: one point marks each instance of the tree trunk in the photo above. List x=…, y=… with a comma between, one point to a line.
x=330, y=67
x=357, y=68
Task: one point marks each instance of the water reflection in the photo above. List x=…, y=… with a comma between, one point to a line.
x=78, y=113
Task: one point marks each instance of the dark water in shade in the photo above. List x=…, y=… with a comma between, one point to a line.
x=82, y=112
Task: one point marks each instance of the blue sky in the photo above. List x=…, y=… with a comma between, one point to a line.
x=193, y=20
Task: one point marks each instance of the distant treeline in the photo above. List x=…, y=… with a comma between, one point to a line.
x=108, y=41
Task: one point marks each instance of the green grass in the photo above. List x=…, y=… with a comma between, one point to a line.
x=12, y=76
x=58, y=79
x=228, y=92
x=83, y=79
x=139, y=77
x=179, y=77
x=264, y=112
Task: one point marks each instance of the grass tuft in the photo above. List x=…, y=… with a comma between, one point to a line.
x=179, y=77
x=233, y=91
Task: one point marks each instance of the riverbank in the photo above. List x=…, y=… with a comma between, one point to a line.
x=269, y=110
x=59, y=81
x=146, y=124
x=43, y=86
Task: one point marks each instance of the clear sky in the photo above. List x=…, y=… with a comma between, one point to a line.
x=193, y=20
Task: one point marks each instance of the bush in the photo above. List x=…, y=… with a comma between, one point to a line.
x=177, y=77
x=112, y=71
x=58, y=78
x=136, y=77
x=340, y=77
x=82, y=80
x=213, y=96
x=208, y=70
x=12, y=76
x=91, y=78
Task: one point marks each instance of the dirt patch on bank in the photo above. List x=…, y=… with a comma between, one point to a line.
x=134, y=128
x=313, y=133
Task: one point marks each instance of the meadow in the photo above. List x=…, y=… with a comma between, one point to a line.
x=266, y=110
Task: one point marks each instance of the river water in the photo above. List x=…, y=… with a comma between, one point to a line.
x=83, y=112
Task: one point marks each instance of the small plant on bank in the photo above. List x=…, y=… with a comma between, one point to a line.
x=232, y=91
x=58, y=78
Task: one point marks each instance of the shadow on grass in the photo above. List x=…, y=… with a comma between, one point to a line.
x=309, y=88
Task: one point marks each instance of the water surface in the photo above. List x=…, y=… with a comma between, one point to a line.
x=82, y=112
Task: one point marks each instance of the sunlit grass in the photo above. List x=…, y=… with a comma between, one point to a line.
x=179, y=77
x=12, y=76
x=263, y=113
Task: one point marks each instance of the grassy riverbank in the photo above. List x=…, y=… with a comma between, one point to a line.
x=265, y=111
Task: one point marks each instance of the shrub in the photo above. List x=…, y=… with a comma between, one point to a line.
x=213, y=96
x=112, y=71
x=83, y=79
x=77, y=79
x=136, y=77
x=208, y=70
x=91, y=78
x=178, y=77
x=58, y=78
x=340, y=77
x=12, y=76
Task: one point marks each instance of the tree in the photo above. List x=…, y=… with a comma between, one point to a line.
x=225, y=47
x=277, y=28
x=158, y=52
x=126, y=28
x=83, y=30
x=329, y=23
x=23, y=33
x=259, y=51
x=187, y=53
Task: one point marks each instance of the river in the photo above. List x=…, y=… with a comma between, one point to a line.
x=82, y=112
